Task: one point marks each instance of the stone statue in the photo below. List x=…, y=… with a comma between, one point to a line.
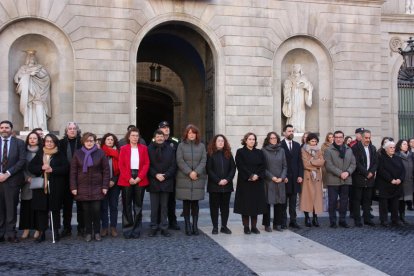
x=297, y=92
x=33, y=86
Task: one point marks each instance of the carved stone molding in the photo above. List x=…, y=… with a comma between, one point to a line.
x=395, y=43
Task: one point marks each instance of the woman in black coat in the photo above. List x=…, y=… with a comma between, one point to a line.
x=53, y=166
x=390, y=175
x=220, y=169
x=250, y=198
x=161, y=176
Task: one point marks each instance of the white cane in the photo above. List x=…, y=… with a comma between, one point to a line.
x=51, y=216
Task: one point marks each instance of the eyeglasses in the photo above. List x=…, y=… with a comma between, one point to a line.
x=90, y=141
x=338, y=137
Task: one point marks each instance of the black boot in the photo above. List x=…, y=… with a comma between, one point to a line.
x=187, y=226
x=409, y=205
x=307, y=220
x=315, y=221
x=195, y=228
x=402, y=219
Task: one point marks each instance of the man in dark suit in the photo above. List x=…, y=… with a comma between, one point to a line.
x=13, y=159
x=294, y=174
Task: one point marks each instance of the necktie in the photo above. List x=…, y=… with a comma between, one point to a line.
x=4, y=159
x=290, y=146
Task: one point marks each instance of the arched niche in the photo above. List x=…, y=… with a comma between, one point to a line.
x=54, y=52
x=317, y=66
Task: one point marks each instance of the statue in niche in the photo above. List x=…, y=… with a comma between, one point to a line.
x=33, y=86
x=297, y=93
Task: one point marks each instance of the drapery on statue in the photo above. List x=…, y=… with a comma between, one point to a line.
x=297, y=92
x=33, y=86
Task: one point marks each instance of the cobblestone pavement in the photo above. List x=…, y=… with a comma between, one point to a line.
x=176, y=255
x=387, y=249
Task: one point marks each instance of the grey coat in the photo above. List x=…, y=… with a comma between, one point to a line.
x=191, y=157
x=26, y=192
x=276, y=166
x=408, y=182
x=335, y=165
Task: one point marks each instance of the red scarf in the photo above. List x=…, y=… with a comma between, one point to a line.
x=114, y=154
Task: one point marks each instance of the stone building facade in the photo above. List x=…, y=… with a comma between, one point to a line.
x=222, y=62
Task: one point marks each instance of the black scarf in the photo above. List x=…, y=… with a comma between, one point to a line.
x=158, y=151
x=341, y=149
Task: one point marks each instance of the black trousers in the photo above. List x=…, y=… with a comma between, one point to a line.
x=291, y=201
x=190, y=205
x=41, y=220
x=219, y=201
x=9, y=198
x=26, y=218
x=172, y=218
x=277, y=215
x=364, y=195
x=159, y=203
x=91, y=216
x=68, y=209
x=132, y=198
x=390, y=204
x=333, y=192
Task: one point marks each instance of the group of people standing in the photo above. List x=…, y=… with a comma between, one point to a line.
x=50, y=174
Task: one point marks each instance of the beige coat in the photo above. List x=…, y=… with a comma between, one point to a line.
x=311, y=196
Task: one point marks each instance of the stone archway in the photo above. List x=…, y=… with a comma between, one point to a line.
x=185, y=53
x=54, y=51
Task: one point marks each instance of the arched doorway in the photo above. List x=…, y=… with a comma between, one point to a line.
x=187, y=71
x=155, y=106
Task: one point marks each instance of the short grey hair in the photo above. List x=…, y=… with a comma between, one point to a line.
x=388, y=144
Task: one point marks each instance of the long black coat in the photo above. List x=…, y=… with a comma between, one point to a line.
x=166, y=165
x=389, y=168
x=359, y=176
x=219, y=167
x=250, y=197
x=295, y=166
x=57, y=180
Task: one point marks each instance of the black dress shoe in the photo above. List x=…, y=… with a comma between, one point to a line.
x=215, y=231
x=66, y=233
x=153, y=232
x=343, y=224
x=268, y=229
x=358, y=224
x=294, y=224
x=370, y=223
x=165, y=233
x=174, y=226
x=247, y=230
x=255, y=230
x=277, y=228
x=225, y=230
x=284, y=227
x=333, y=225
x=384, y=224
x=396, y=224
x=2, y=239
x=13, y=239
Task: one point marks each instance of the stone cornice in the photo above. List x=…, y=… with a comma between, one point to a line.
x=347, y=2
x=409, y=18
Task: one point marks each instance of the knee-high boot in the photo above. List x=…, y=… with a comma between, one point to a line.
x=195, y=227
x=187, y=225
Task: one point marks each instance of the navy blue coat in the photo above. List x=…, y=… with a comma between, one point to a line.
x=167, y=166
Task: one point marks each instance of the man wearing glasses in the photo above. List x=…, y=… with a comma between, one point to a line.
x=340, y=164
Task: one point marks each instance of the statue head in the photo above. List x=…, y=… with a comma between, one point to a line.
x=30, y=58
x=297, y=70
